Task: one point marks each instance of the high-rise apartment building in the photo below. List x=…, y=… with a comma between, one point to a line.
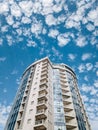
x=48, y=99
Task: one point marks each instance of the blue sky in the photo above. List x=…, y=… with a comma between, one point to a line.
x=64, y=30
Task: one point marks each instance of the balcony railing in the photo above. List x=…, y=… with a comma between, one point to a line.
x=40, y=125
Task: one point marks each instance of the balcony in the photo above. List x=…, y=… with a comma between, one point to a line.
x=43, y=95
x=65, y=85
x=63, y=81
x=42, y=82
x=42, y=104
x=43, y=89
x=66, y=95
x=44, y=77
x=40, y=125
x=44, y=69
x=66, y=101
x=69, y=115
x=71, y=125
x=44, y=73
x=41, y=114
x=68, y=108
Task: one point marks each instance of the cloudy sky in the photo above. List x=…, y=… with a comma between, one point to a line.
x=64, y=30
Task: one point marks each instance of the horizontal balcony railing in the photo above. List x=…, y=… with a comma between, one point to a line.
x=40, y=125
x=40, y=122
x=66, y=94
x=41, y=114
x=42, y=105
x=43, y=82
x=71, y=125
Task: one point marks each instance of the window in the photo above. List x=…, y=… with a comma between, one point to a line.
x=32, y=102
x=34, y=88
x=30, y=111
x=29, y=121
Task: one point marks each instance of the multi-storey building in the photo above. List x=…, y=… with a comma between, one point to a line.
x=48, y=99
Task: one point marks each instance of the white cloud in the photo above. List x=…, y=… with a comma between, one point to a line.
x=63, y=40
x=47, y=2
x=86, y=56
x=10, y=19
x=96, y=83
x=81, y=41
x=4, y=90
x=31, y=44
x=4, y=111
x=86, y=78
x=14, y=72
x=90, y=27
x=50, y=20
x=4, y=7
x=71, y=56
x=1, y=41
x=2, y=59
x=94, y=124
x=93, y=91
x=93, y=16
x=4, y=28
x=26, y=20
x=85, y=88
x=89, y=66
x=81, y=68
x=36, y=28
x=26, y=7
x=10, y=40
x=53, y=33
x=15, y=10
x=85, y=98
x=97, y=73
x=71, y=23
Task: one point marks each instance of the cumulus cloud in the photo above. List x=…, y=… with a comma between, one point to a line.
x=2, y=59
x=81, y=41
x=96, y=83
x=81, y=68
x=93, y=16
x=1, y=41
x=26, y=7
x=53, y=33
x=15, y=10
x=14, y=72
x=4, y=7
x=85, y=88
x=31, y=44
x=86, y=56
x=50, y=20
x=90, y=27
x=4, y=111
x=63, y=40
x=89, y=66
x=10, y=19
x=36, y=27
x=72, y=56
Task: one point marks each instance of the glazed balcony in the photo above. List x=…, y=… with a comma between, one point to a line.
x=68, y=108
x=44, y=81
x=71, y=125
x=43, y=89
x=66, y=89
x=41, y=114
x=40, y=125
x=69, y=115
x=42, y=104
x=44, y=77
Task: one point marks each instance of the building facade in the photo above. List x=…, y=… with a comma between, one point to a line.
x=48, y=99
